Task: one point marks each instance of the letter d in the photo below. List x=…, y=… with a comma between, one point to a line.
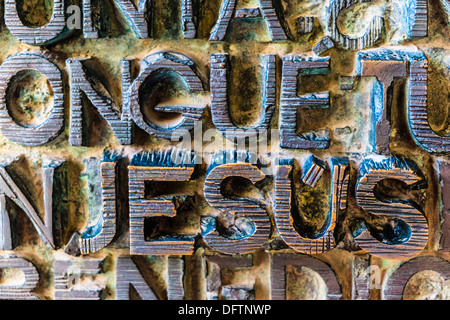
x=226, y=310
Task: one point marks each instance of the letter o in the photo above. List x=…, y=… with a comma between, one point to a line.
x=51, y=127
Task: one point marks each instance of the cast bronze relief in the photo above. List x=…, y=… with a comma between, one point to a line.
x=225, y=150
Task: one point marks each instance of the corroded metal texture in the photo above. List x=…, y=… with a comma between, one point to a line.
x=220, y=66
x=225, y=150
x=375, y=201
x=51, y=128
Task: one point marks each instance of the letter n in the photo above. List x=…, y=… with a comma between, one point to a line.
x=121, y=125
x=130, y=279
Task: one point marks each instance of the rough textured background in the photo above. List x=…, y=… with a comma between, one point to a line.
x=347, y=119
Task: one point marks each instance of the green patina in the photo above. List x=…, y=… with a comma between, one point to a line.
x=35, y=13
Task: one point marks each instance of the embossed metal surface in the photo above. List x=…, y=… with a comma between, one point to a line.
x=225, y=149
